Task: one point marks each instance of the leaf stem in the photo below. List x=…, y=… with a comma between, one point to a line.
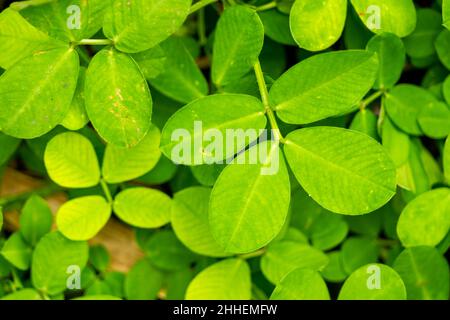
x=254, y=254
x=370, y=99
x=265, y=100
x=106, y=191
x=42, y=192
x=267, y=6
x=200, y=4
x=95, y=42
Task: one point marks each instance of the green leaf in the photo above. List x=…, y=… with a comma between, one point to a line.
x=181, y=78
x=373, y=282
x=152, y=62
x=17, y=251
x=9, y=146
x=35, y=220
x=392, y=58
x=394, y=16
x=143, y=282
x=249, y=203
x=143, y=207
x=53, y=255
x=276, y=26
x=447, y=159
x=334, y=271
x=420, y=43
x=396, y=142
x=59, y=18
x=405, y=103
x=192, y=124
x=34, y=104
x=446, y=13
x=125, y=164
x=425, y=220
x=434, y=120
x=324, y=85
x=301, y=284
x=358, y=251
x=166, y=252
x=23, y=295
x=345, y=171
x=138, y=25
x=118, y=99
x=238, y=41
x=365, y=121
x=190, y=221
x=442, y=45
x=225, y=280
x=425, y=273
x=99, y=257
x=283, y=257
x=19, y=39
x=77, y=117
x=82, y=218
x=317, y=25
x=206, y=174
x=71, y=161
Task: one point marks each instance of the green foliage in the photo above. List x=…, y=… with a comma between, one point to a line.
x=285, y=149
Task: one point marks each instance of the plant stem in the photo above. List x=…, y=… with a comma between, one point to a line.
x=265, y=100
x=106, y=191
x=370, y=99
x=201, y=27
x=267, y=6
x=254, y=254
x=83, y=55
x=94, y=42
x=200, y=4
x=42, y=192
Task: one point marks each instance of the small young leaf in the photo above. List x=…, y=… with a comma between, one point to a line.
x=118, y=99
x=143, y=208
x=225, y=280
x=442, y=45
x=138, y=25
x=77, y=117
x=83, y=218
x=53, y=255
x=71, y=161
x=317, y=25
x=394, y=16
x=373, y=282
x=276, y=26
x=301, y=284
x=249, y=202
x=324, y=85
x=425, y=220
x=17, y=251
x=99, y=257
x=190, y=221
x=125, y=164
x=365, y=121
x=358, y=251
x=434, y=120
x=35, y=220
x=345, y=171
x=238, y=41
x=35, y=104
x=143, y=282
x=334, y=271
x=396, y=142
x=425, y=273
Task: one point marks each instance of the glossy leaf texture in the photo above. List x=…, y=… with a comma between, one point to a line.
x=118, y=99
x=323, y=86
x=345, y=171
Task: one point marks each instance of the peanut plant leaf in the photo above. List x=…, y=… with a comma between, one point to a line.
x=211, y=115
x=425, y=273
x=152, y=62
x=76, y=118
x=181, y=78
x=35, y=104
x=19, y=39
x=345, y=171
x=138, y=25
x=143, y=281
x=283, y=257
x=301, y=284
x=442, y=45
x=394, y=16
x=317, y=25
x=225, y=280
x=447, y=159
x=125, y=164
x=9, y=146
x=434, y=120
x=396, y=142
x=446, y=13
x=358, y=251
x=71, y=161
x=190, y=221
x=276, y=26
x=23, y=295
x=238, y=41
x=52, y=258
x=35, y=220
x=365, y=121
x=82, y=218
x=392, y=57
x=17, y=252
x=425, y=220
x=245, y=216
x=324, y=85
x=118, y=99
x=143, y=208
x=373, y=282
